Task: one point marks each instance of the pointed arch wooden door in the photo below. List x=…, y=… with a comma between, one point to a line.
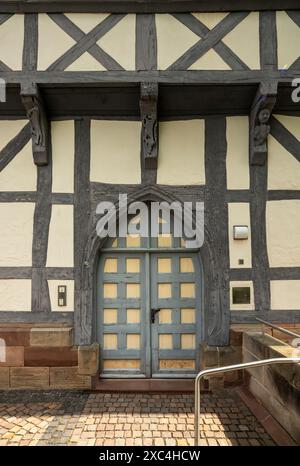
x=149, y=308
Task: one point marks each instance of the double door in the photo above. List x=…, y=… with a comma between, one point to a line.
x=149, y=314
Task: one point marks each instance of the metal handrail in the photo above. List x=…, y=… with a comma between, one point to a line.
x=281, y=329
x=218, y=370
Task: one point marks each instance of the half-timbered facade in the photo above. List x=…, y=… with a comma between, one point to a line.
x=88, y=85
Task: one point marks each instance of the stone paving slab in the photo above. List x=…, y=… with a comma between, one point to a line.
x=107, y=419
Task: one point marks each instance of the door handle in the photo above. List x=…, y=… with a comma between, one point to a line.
x=153, y=313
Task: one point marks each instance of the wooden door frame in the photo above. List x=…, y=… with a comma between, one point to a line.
x=216, y=290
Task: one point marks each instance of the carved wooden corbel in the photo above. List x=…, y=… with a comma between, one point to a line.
x=261, y=112
x=148, y=107
x=35, y=110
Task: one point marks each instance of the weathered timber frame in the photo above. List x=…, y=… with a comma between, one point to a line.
x=87, y=246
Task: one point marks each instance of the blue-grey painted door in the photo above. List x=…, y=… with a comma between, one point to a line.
x=122, y=317
x=149, y=314
x=175, y=302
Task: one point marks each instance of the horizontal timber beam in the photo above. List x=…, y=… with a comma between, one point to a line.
x=143, y=6
x=36, y=317
x=31, y=196
x=95, y=78
x=51, y=273
x=275, y=273
x=249, y=317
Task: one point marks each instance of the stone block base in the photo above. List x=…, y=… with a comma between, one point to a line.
x=68, y=378
x=277, y=387
x=218, y=356
x=43, y=357
x=29, y=377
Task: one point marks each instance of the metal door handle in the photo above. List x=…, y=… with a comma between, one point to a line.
x=153, y=313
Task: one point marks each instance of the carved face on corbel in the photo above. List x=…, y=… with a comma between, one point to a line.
x=264, y=115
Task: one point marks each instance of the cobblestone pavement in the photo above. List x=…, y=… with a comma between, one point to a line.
x=75, y=418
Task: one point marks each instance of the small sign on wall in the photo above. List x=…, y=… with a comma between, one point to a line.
x=62, y=295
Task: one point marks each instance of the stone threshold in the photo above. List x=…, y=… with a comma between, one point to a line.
x=142, y=385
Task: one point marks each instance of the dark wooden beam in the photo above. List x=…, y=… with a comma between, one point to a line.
x=35, y=109
x=146, y=43
x=282, y=316
x=31, y=196
x=214, y=253
x=275, y=273
x=143, y=6
x=82, y=212
x=149, y=132
x=121, y=101
x=260, y=259
x=283, y=194
x=111, y=78
x=36, y=317
x=260, y=114
x=30, y=48
x=40, y=298
x=8, y=273
x=18, y=196
x=268, y=40
x=59, y=273
x=51, y=273
x=285, y=273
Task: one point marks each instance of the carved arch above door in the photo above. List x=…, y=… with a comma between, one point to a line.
x=216, y=293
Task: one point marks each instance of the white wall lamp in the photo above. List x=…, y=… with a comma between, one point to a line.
x=240, y=232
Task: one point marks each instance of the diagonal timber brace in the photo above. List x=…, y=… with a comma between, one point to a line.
x=148, y=108
x=260, y=115
x=35, y=110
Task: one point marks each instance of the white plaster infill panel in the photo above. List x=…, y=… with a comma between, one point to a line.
x=181, y=153
x=115, y=152
x=15, y=295
x=16, y=232
x=237, y=160
x=63, y=148
x=285, y=294
x=283, y=233
x=61, y=237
